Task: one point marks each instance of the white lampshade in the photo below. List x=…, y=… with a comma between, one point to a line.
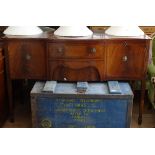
x=124, y=31
x=73, y=31
x=22, y=30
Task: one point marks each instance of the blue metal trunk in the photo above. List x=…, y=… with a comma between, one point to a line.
x=67, y=108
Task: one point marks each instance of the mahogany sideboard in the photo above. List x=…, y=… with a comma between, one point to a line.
x=96, y=58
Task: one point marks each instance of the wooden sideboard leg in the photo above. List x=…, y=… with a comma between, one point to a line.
x=11, y=107
x=24, y=91
x=10, y=100
x=133, y=86
x=141, y=104
x=9, y=85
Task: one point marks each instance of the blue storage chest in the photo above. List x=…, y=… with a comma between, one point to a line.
x=66, y=108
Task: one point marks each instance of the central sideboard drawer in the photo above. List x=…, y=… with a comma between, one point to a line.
x=72, y=70
x=66, y=50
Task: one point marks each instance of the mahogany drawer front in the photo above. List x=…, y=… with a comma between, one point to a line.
x=126, y=59
x=66, y=50
x=76, y=70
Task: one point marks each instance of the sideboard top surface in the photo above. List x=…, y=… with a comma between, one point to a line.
x=51, y=37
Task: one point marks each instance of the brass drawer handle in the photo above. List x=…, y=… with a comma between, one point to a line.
x=93, y=50
x=125, y=58
x=65, y=79
x=28, y=57
x=60, y=50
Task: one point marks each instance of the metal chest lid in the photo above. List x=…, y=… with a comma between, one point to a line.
x=95, y=89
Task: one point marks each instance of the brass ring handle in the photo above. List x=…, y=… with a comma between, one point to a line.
x=93, y=50
x=125, y=58
x=28, y=57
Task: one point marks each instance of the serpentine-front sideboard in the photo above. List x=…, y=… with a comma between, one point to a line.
x=96, y=58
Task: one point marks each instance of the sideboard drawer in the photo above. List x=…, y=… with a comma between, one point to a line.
x=76, y=50
x=71, y=70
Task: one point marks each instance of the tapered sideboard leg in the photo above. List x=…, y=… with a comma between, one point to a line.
x=11, y=107
x=141, y=104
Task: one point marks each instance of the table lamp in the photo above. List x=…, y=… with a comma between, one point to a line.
x=22, y=30
x=124, y=31
x=73, y=31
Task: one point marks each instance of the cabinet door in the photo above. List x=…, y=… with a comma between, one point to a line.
x=27, y=59
x=70, y=70
x=126, y=59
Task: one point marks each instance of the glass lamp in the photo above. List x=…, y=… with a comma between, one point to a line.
x=73, y=31
x=124, y=31
x=22, y=30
